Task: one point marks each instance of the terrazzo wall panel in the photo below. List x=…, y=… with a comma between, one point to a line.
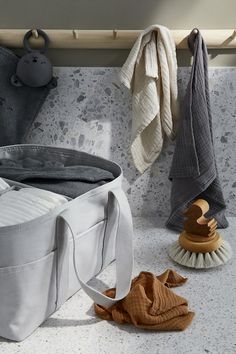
x=91, y=111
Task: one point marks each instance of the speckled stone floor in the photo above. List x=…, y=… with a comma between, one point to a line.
x=211, y=293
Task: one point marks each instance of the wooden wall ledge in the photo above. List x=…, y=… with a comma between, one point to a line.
x=111, y=39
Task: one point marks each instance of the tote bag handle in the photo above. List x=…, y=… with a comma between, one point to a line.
x=123, y=249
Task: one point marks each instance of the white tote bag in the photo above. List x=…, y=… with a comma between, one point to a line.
x=45, y=261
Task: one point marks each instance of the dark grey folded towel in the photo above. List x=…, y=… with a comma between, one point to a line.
x=69, y=180
x=194, y=172
x=18, y=105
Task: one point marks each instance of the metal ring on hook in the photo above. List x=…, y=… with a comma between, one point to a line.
x=75, y=33
x=40, y=34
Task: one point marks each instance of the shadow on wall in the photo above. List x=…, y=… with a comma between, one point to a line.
x=217, y=57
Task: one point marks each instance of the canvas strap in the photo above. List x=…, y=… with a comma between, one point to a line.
x=123, y=251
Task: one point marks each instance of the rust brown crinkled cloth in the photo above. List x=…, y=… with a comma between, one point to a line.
x=150, y=304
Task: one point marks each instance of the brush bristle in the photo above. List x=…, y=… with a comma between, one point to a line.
x=200, y=260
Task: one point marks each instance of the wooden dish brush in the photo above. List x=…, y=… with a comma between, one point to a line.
x=200, y=245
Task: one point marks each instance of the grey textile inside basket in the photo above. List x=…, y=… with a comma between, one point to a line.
x=54, y=176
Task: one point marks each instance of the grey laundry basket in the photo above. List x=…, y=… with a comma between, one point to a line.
x=45, y=261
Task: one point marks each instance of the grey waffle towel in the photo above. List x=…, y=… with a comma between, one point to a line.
x=194, y=172
x=18, y=105
x=54, y=176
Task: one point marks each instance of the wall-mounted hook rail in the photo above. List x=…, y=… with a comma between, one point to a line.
x=111, y=39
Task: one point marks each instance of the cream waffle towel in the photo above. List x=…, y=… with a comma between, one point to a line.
x=150, y=72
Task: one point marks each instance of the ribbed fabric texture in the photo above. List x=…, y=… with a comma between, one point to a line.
x=194, y=172
x=150, y=304
x=27, y=204
x=150, y=72
x=3, y=185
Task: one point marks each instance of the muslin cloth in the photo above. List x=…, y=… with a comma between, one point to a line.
x=150, y=304
x=150, y=72
x=194, y=172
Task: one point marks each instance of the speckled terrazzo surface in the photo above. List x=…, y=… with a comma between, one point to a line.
x=91, y=111
x=211, y=294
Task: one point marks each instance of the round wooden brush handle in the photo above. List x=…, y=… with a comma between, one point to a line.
x=198, y=238
x=203, y=244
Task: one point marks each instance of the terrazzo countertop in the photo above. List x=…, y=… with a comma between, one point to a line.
x=90, y=110
x=211, y=294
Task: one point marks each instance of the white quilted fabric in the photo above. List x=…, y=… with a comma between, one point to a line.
x=19, y=206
